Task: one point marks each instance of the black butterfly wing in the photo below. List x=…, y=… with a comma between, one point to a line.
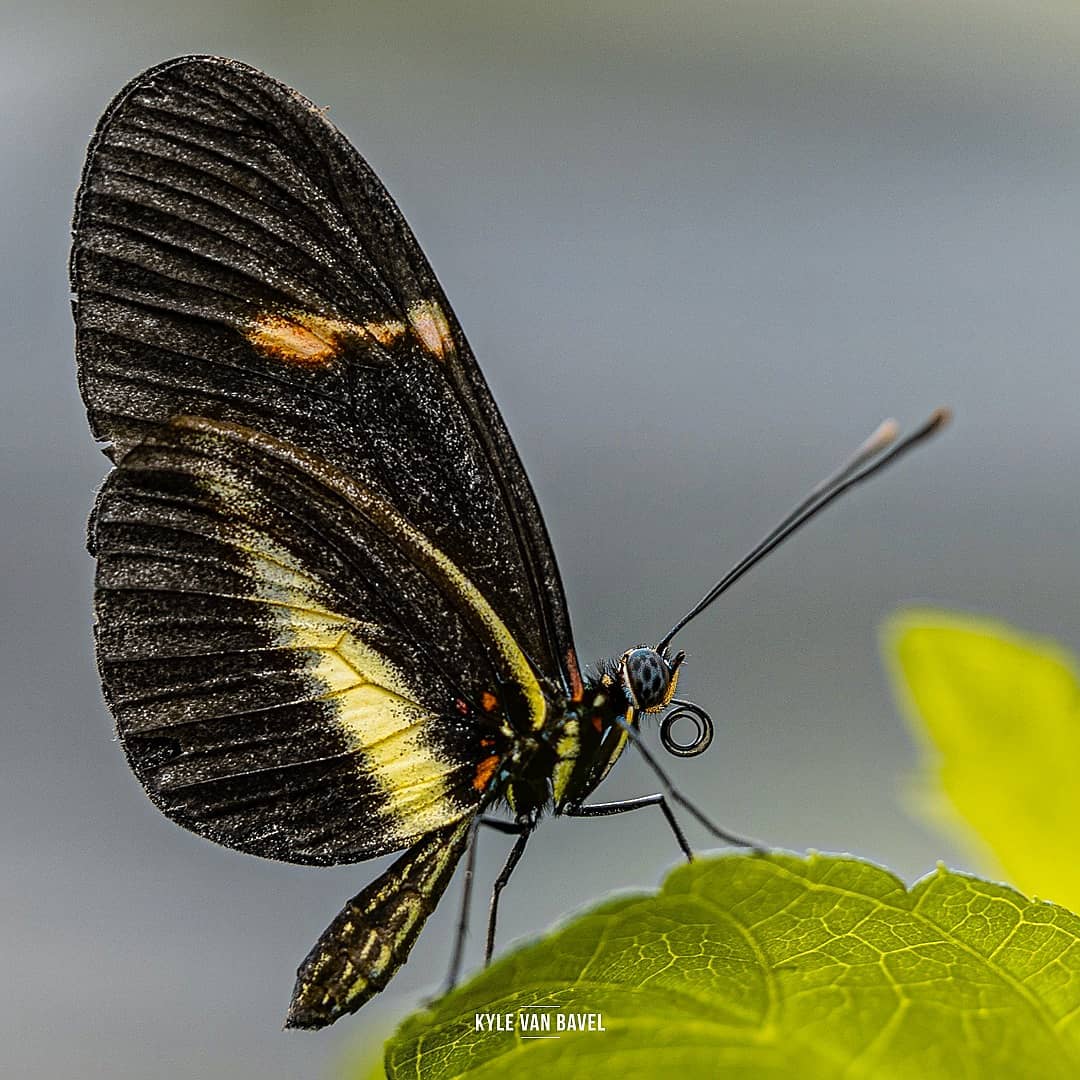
x=322, y=606
x=283, y=651
x=235, y=258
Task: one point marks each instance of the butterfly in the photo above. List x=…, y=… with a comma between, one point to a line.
x=329, y=621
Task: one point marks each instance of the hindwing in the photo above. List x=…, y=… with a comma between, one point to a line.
x=295, y=670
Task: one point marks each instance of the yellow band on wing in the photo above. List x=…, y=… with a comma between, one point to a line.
x=438, y=566
x=368, y=696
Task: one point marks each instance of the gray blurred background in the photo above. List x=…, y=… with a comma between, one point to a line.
x=700, y=252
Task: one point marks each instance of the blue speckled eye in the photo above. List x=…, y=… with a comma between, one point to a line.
x=647, y=676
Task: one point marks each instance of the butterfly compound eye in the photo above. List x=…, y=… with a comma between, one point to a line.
x=647, y=676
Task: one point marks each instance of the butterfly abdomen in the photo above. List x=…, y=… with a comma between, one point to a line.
x=360, y=951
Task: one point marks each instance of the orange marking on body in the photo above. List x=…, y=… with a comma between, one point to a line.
x=577, y=688
x=598, y=723
x=301, y=337
x=489, y=701
x=431, y=327
x=485, y=743
x=484, y=771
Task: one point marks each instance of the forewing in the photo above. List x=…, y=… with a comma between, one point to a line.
x=294, y=670
x=235, y=258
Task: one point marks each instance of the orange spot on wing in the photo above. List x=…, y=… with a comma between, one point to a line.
x=385, y=333
x=431, y=327
x=301, y=337
x=484, y=772
x=489, y=701
x=283, y=339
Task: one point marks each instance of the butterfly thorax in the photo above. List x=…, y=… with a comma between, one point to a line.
x=571, y=754
x=595, y=733
x=581, y=739
x=593, y=741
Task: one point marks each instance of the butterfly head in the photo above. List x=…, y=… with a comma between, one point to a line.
x=648, y=677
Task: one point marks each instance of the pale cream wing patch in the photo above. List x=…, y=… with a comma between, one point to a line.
x=369, y=695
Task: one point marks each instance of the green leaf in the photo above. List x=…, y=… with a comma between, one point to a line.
x=778, y=966
x=998, y=715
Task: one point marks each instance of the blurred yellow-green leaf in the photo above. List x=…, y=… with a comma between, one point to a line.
x=776, y=966
x=998, y=714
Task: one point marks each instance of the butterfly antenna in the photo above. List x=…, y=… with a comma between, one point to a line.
x=867, y=460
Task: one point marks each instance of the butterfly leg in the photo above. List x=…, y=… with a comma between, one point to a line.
x=463, y=916
x=677, y=796
x=526, y=826
x=511, y=828
x=514, y=829
x=624, y=807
